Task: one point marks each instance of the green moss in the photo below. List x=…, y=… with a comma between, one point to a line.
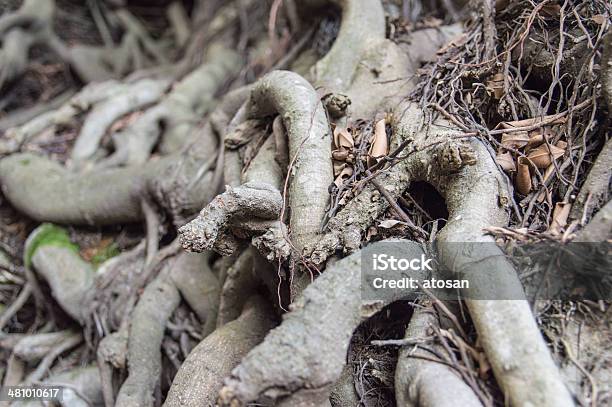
x=47, y=234
x=24, y=162
x=104, y=254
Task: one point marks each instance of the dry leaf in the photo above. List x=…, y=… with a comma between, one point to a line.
x=496, y=85
x=523, y=178
x=343, y=138
x=506, y=161
x=542, y=157
x=536, y=137
x=389, y=223
x=531, y=122
x=559, y=217
x=599, y=19
x=380, y=145
x=344, y=174
x=517, y=139
x=340, y=155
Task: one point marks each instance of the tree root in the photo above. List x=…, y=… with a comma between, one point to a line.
x=596, y=188
x=70, y=277
x=427, y=383
x=80, y=388
x=201, y=375
x=178, y=112
x=363, y=23
x=306, y=353
x=28, y=26
x=34, y=347
x=128, y=98
x=251, y=200
x=289, y=95
x=148, y=324
x=151, y=314
x=506, y=327
x=87, y=97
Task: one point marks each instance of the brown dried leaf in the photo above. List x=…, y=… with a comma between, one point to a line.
x=523, y=178
x=389, y=223
x=343, y=138
x=541, y=157
x=531, y=122
x=506, y=161
x=380, y=144
x=517, y=139
x=559, y=217
x=547, y=174
x=599, y=19
x=496, y=85
x=536, y=137
x=340, y=155
x=344, y=174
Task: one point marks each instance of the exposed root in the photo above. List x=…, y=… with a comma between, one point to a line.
x=178, y=113
x=70, y=277
x=201, y=375
x=127, y=98
x=421, y=379
x=252, y=200
x=306, y=353
x=363, y=23
x=148, y=323
x=33, y=348
x=188, y=275
x=596, y=188
x=80, y=386
x=599, y=228
x=28, y=26
x=310, y=168
x=506, y=327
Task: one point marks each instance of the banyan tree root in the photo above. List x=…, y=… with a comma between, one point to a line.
x=102, y=197
x=292, y=97
x=127, y=98
x=363, y=24
x=251, y=200
x=28, y=26
x=177, y=114
x=595, y=190
x=201, y=375
x=311, y=173
x=57, y=261
x=420, y=379
x=151, y=314
x=305, y=355
x=502, y=317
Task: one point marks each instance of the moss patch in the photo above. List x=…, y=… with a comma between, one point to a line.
x=104, y=254
x=47, y=234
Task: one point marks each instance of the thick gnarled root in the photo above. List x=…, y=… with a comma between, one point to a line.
x=421, y=381
x=252, y=200
x=305, y=355
x=151, y=314
x=201, y=376
x=502, y=317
